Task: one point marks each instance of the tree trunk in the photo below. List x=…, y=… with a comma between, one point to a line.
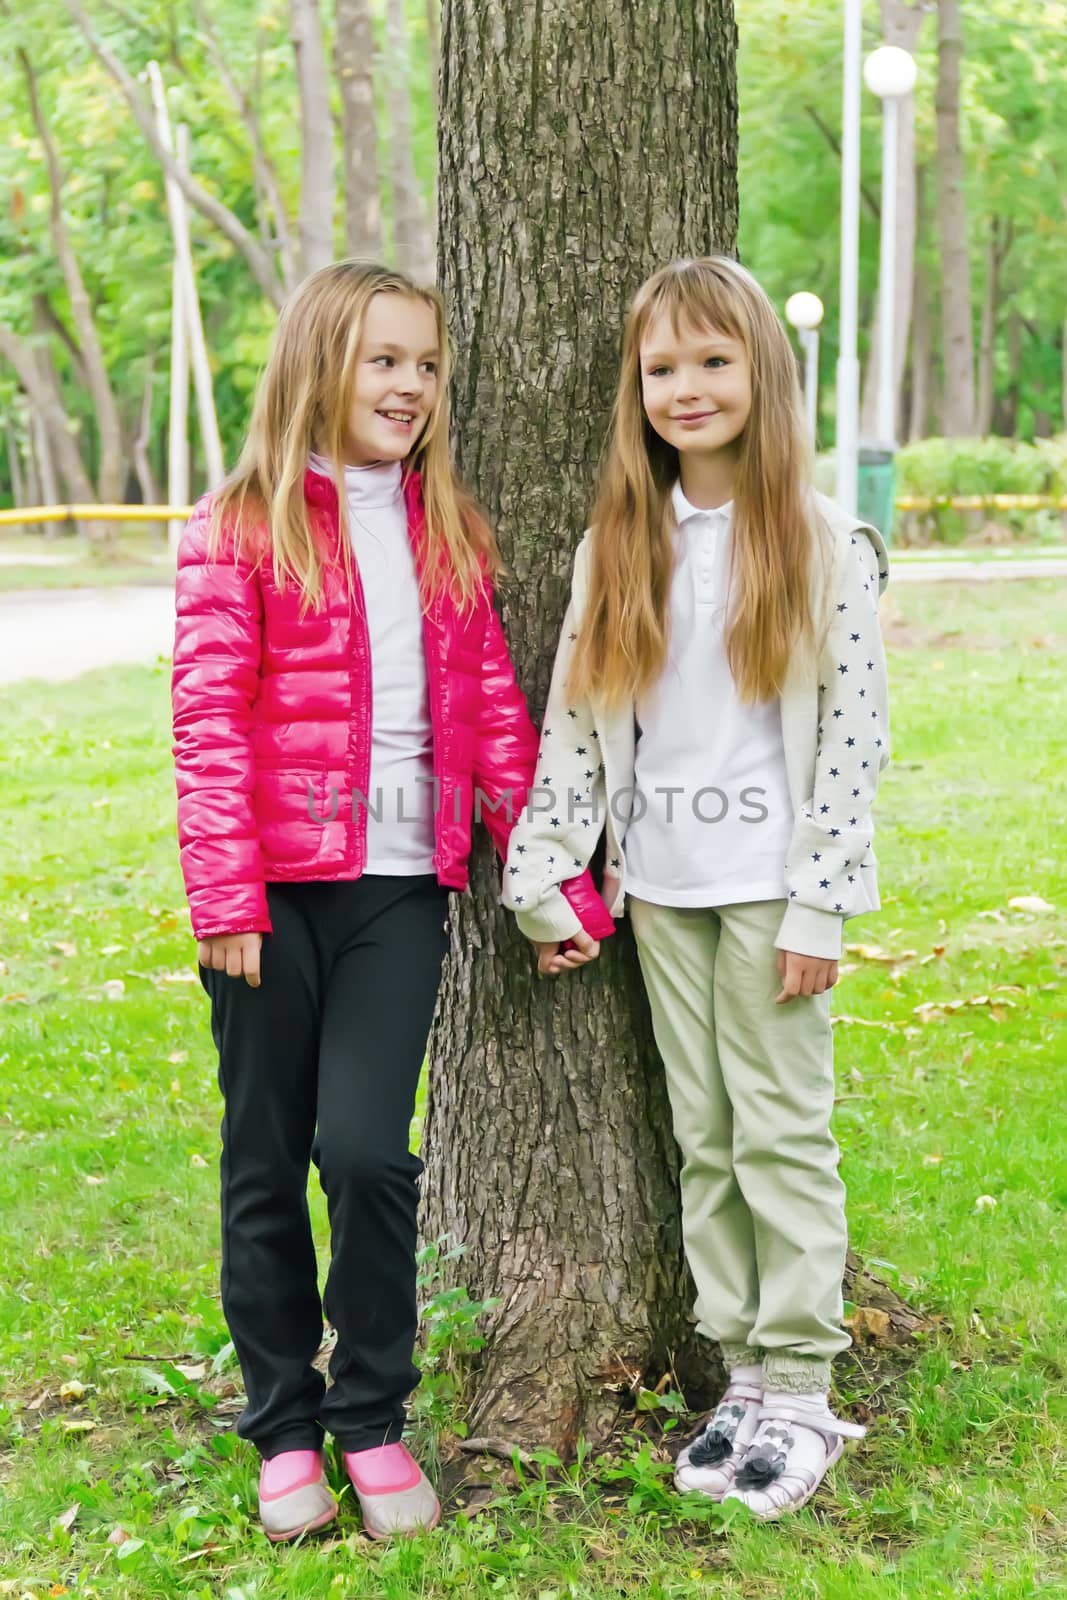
x=901, y=23
x=142, y=439
x=1006, y=409
x=433, y=47
x=549, y=1144
x=958, y=407
x=354, y=61
x=411, y=231
x=45, y=472
x=111, y=475
x=997, y=247
x=921, y=356
x=37, y=377
x=316, y=138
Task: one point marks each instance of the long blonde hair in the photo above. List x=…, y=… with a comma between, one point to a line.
x=302, y=404
x=623, y=636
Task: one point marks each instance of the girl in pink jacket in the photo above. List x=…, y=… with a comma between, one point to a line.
x=344, y=706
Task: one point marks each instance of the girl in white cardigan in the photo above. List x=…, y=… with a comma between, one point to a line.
x=719, y=707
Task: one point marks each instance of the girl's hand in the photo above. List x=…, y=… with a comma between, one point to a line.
x=551, y=960
x=236, y=954
x=803, y=975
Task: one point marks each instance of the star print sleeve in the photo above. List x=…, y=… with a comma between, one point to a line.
x=829, y=871
x=557, y=832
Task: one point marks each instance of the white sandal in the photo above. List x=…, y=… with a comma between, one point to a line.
x=781, y=1471
x=708, y=1462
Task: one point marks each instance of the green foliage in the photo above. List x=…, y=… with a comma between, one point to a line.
x=1014, y=77
x=943, y=467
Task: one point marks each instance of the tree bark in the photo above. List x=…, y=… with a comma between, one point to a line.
x=1006, y=408
x=901, y=23
x=111, y=475
x=316, y=138
x=258, y=260
x=958, y=404
x=411, y=232
x=354, y=63
x=550, y=1154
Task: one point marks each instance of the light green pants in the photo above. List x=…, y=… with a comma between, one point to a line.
x=751, y=1087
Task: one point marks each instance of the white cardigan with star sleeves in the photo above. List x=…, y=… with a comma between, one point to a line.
x=835, y=729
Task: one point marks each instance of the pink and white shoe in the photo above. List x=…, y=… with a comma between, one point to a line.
x=394, y=1494
x=797, y=1441
x=294, y=1497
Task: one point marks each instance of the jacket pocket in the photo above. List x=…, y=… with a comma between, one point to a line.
x=292, y=808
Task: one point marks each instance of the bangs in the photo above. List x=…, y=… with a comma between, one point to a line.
x=696, y=301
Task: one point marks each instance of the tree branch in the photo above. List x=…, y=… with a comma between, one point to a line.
x=258, y=259
x=111, y=463
x=265, y=171
x=832, y=140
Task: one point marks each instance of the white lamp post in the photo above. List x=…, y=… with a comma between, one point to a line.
x=889, y=72
x=848, y=366
x=804, y=311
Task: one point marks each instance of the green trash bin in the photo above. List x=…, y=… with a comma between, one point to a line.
x=876, y=483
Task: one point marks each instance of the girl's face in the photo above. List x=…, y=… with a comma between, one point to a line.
x=396, y=379
x=696, y=386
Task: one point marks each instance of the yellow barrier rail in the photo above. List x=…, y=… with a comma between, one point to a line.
x=982, y=502
x=24, y=515
x=92, y=513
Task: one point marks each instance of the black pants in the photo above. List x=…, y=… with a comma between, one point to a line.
x=322, y=1063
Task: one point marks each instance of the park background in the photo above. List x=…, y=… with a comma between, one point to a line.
x=118, y=1472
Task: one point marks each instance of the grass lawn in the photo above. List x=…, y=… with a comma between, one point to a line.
x=117, y=1390
x=138, y=555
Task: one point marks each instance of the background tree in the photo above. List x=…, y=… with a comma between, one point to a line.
x=957, y=405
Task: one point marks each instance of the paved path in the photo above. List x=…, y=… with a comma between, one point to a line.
x=932, y=571
x=61, y=633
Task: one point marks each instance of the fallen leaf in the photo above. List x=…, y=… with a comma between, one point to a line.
x=197, y=1160
x=865, y=1022
x=117, y=1536
x=177, y=1056
x=1029, y=902
x=874, y=952
x=114, y=989
x=62, y=948
x=985, y=1202
x=66, y=1521
x=78, y=1424
x=112, y=949
x=91, y=1178
x=72, y=1390
x=867, y=1322
x=176, y=977
x=193, y=1371
x=932, y=1161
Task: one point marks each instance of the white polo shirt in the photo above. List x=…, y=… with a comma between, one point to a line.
x=400, y=838
x=722, y=839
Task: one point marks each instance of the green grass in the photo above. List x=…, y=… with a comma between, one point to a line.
x=108, y=1126
x=138, y=555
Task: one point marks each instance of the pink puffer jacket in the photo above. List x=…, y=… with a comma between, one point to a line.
x=272, y=715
